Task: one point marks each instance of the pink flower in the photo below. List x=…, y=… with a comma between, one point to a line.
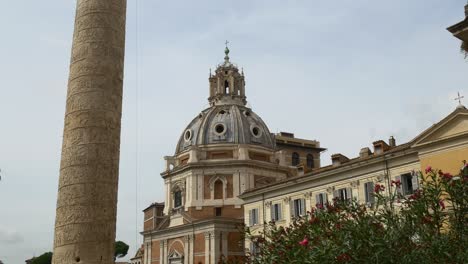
x=378, y=188
x=304, y=242
x=416, y=195
x=442, y=204
x=343, y=258
x=447, y=176
x=396, y=183
x=428, y=169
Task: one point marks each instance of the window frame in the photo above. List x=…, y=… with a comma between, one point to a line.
x=310, y=161
x=300, y=207
x=254, y=216
x=218, y=209
x=348, y=193
x=175, y=196
x=369, y=197
x=407, y=179
x=276, y=212
x=295, y=159
x=321, y=199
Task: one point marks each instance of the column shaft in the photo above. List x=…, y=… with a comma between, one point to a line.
x=87, y=194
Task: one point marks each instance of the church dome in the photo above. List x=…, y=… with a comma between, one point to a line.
x=226, y=124
x=228, y=120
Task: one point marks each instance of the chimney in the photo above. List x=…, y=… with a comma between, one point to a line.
x=158, y=213
x=338, y=159
x=365, y=152
x=380, y=147
x=392, y=142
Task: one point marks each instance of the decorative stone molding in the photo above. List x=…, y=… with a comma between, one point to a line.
x=308, y=195
x=268, y=204
x=178, y=185
x=331, y=189
x=287, y=199
x=212, y=181
x=355, y=184
x=207, y=235
x=380, y=178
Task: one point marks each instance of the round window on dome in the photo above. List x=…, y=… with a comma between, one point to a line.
x=188, y=135
x=256, y=131
x=220, y=129
x=247, y=113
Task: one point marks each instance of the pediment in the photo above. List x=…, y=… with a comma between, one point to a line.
x=454, y=125
x=175, y=255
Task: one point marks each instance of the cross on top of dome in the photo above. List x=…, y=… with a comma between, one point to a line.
x=226, y=51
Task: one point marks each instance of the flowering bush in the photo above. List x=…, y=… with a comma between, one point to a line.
x=429, y=226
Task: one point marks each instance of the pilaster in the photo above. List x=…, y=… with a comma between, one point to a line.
x=145, y=253
x=287, y=209
x=224, y=244
x=207, y=248
x=164, y=259
x=214, y=250
x=187, y=252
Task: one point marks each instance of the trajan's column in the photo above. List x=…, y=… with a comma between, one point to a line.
x=87, y=196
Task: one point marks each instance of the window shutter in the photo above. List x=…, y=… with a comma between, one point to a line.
x=250, y=217
x=325, y=199
x=415, y=181
x=291, y=208
x=272, y=212
x=370, y=192
x=257, y=211
x=302, y=211
x=366, y=192
x=280, y=217
x=336, y=194
x=403, y=185
x=349, y=193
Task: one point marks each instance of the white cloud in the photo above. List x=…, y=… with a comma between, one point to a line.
x=10, y=236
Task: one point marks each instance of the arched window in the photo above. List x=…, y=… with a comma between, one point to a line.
x=310, y=161
x=295, y=159
x=177, y=198
x=226, y=87
x=218, y=189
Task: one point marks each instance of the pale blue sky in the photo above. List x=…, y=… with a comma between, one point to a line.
x=343, y=72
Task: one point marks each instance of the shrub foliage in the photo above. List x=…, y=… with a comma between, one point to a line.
x=429, y=226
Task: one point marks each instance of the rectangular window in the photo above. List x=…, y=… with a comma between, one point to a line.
x=343, y=194
x=254, y=250
x=276, y=212
x=369, y=193
x=253, y=217
x=409, y=183
x=218, y=211
x=321, y=200
x=298, y=207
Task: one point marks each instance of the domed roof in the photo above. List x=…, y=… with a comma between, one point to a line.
x=224, y=124
x=228, y=120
